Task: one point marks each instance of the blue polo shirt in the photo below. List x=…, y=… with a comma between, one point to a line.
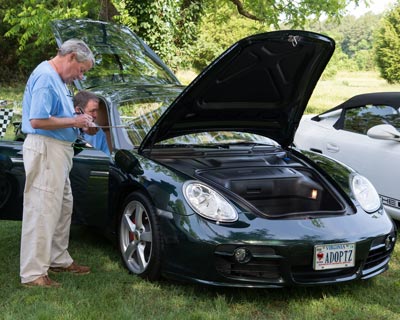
x=45, y=96
x=98, y=141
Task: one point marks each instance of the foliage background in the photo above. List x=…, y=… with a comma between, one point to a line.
x=387, y=46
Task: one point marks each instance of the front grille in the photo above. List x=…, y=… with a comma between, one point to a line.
x=305, y=275
x=257, y=270
x=378, y=256
x=264, y=265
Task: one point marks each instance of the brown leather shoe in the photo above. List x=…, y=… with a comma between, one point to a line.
x=43, y=281
x=73, y=268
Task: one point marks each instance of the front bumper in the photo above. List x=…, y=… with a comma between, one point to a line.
x=281, y=251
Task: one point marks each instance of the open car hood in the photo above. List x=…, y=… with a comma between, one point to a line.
x=260, y=85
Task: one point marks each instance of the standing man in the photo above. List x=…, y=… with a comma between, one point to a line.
x=87, y=102
x=51, y=126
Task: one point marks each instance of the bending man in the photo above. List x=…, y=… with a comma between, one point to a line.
x=49, y=120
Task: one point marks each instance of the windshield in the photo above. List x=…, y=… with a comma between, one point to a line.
x=120, y=56
x=138, y=117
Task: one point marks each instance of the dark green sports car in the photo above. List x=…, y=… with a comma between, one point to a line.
x=202, y=184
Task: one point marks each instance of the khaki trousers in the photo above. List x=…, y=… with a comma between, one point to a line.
x=47, y=206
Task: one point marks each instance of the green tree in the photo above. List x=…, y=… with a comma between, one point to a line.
x=216, y=33
x=173, y=28
x=292, y=13
x=226, y=21
x=358, y=32
x=387, y=46
x=364, y=60
x=354, y=39
x=9, y=69
x=169, y=27
x=26, y=27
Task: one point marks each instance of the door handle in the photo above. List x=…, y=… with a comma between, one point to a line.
x=332, y=148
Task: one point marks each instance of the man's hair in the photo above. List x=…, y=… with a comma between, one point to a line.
x=83, y=53
x=83, y=97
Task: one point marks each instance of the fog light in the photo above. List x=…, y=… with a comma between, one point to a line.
x=242, y=255
x=389, y=242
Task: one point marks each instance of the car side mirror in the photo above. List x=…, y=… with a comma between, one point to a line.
x=79, y=145
x=384, y=132
x=128, y=162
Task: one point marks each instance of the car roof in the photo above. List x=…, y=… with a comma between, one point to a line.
x=379, y=98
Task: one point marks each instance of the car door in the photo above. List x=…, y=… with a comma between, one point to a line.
x=89, y=181
x=312, y=133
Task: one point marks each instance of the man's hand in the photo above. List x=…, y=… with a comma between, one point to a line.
x=83, y=120
x=91, y=130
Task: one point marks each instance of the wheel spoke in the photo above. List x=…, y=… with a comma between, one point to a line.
x=139, y=216
x=130, y=250
x=141, y=256
x=128, y=223
x=146, y=236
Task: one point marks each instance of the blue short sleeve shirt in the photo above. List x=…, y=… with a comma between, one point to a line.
x=98, y=141
x=45, y=96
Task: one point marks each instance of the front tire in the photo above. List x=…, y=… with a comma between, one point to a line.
x=139, y=237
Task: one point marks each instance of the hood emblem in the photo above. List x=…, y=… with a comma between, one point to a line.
x=294, y=40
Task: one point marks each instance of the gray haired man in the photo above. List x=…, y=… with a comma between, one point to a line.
x=51, y=125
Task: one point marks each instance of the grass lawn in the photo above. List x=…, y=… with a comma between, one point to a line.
x=110, y=292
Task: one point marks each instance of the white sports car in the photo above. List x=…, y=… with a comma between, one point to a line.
x=363, y=133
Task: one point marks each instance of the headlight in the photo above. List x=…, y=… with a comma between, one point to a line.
x=208, y=203
x=365, y=193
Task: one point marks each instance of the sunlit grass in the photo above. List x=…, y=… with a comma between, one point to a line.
x=329, y=93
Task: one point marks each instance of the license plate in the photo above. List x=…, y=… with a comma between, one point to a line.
x=335, y=255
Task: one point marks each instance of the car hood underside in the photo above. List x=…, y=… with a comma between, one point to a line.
x=261, y=85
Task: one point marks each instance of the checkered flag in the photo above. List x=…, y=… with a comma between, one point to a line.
x=5, y=119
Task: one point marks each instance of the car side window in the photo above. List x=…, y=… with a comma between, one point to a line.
x=362, y=118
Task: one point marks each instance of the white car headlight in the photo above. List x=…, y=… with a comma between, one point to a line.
x=365, y=193
x=208, y=202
